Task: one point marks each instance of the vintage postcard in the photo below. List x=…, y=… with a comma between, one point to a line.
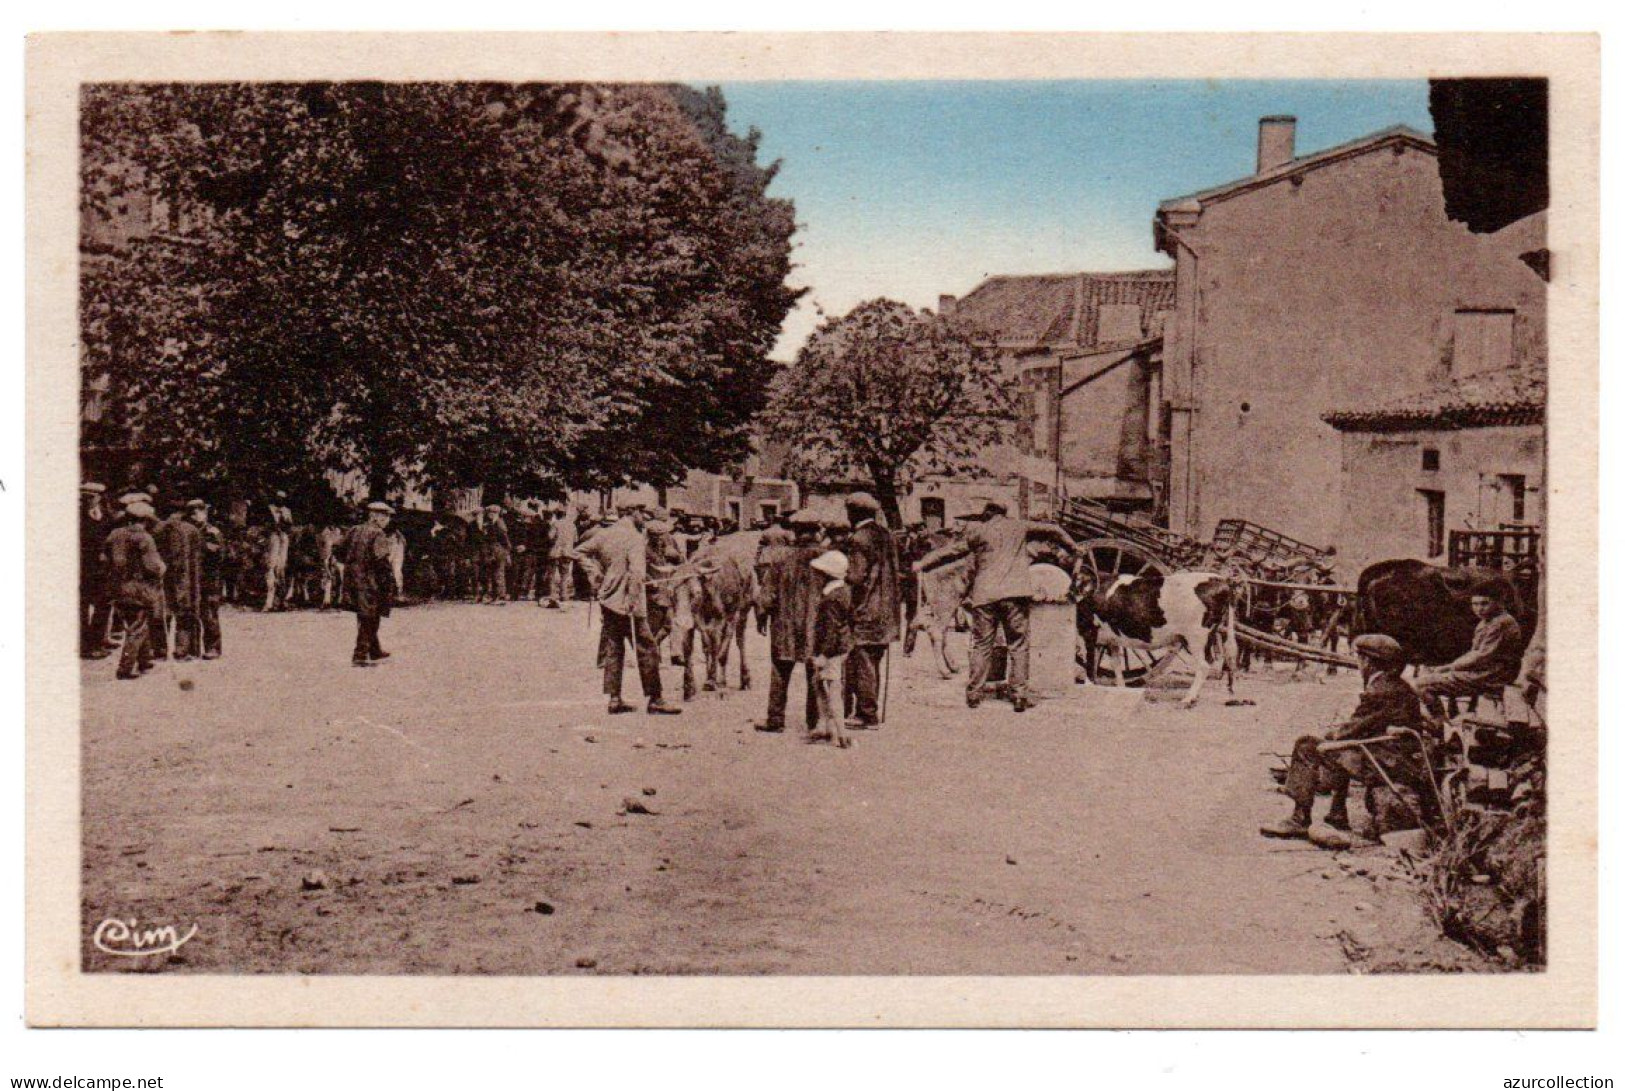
x=812, y=530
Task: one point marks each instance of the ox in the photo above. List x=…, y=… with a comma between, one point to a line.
x=1180, y=613
x=1428, y=608
x=713, y=591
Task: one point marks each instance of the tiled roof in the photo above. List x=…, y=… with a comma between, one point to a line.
x=1394, y=134
x=1512, y=396
x=1063, y=308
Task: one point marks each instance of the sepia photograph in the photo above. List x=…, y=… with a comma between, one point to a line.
x=1058, y=528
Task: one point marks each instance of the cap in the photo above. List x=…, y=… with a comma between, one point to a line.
x=864, y=501
x=832, y=564
x=135, y=498
x=494, y=509
x=994, y=507
x=659, y=514
x=379, y=505
x=1379, y=646
x=197, y=505
x=95, y=488
x=141, y=510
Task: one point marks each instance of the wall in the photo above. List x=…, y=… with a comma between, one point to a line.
x=1294, y=299
x=1383, y=516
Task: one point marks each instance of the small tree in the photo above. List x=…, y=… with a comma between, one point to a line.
x=889, y=393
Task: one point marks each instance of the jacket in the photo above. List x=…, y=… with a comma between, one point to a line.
x=832, y=627
x=1496, y=655
x=876, y=597
x=620, y=554
x=369, y=577
x=135, y=570
x=998, y=548
x=1388, y=701
x=181, y=544
x=787, y=595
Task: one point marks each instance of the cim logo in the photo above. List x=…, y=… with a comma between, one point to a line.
x=128, y=940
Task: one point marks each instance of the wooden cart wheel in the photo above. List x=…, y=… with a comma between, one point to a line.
x=1110, y=559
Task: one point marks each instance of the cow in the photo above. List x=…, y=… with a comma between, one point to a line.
x=942, y=591
x=1184, y=613
x=331, y=566
x=713, y=592
x=1427, y=608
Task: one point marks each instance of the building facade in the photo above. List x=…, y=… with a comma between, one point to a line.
x=1322, y=282
x=1084, y=352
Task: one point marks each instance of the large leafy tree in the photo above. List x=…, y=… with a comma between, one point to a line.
x=471, y=283
x=886, y=393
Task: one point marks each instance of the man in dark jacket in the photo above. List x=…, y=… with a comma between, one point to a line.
x=369, y=582
x=180, y=543
x=786, y=607
x=876, y=607
x=1001, y=592
x=135, y=573
x=95, y=599
x=1387, y=702
x=213, y=577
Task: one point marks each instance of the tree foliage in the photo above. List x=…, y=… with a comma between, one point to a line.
x=886, y=394
x=471, y=283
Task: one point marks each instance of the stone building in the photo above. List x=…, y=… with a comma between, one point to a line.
x=1084, y=351
x=1323, y=282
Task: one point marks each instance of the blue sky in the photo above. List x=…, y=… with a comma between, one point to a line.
x=914, y=189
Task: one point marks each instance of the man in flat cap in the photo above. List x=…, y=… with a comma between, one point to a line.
x=877, y=605
x=213, y=577
x=95, y=599
x=369, y=582
x=1001, y=592
x=1386, y=702
x=619, y=553
x=135, y=573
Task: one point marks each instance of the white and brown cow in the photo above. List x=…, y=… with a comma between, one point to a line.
x=1182, y=613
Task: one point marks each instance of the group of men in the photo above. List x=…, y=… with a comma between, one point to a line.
x=160, y=581
x=1405, y=719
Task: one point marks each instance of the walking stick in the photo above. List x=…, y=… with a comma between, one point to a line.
x=885, y=685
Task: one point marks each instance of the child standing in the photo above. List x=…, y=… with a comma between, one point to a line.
x=832, y=640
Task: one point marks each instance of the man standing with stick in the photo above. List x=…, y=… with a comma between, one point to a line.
x=619, y=552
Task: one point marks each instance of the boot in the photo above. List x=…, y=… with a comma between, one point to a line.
x=618, y=706
x=1296, y=826
x=658, y=707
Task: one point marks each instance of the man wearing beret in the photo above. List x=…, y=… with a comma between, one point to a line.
x=369, y=582
x=876, y=607
x=1388, y=701
x=135, y=574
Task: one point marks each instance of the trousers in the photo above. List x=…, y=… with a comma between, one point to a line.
x=618, y=631
x=862, y=682
x=366, y=638
x=987, y=621
x=137, y=653
x=778, y=691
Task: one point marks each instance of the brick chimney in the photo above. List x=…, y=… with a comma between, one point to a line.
x=1275, y=138
x=945, y=304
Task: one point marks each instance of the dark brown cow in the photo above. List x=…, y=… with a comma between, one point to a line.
x=1428, y=608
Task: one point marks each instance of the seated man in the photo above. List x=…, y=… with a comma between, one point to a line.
x=1491, y=663
x=1387, y=702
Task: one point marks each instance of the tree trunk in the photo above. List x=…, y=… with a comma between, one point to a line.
x=886, y=493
